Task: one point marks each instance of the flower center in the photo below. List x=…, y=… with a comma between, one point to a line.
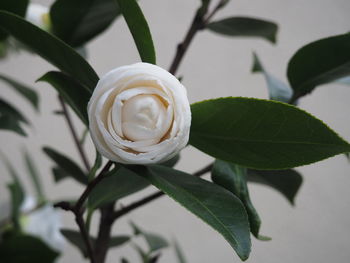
x=144, y=118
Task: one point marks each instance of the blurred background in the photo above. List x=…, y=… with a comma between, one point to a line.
x=317, y=229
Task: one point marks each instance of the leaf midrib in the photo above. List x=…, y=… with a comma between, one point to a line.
x=265, y=141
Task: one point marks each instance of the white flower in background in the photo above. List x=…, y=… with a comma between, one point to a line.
x=38, y=15
x=139, y=114
x=44, y=223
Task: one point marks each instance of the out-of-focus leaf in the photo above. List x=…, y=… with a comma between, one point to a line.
x=11, y=119
x=50, y=48
x=96, y=166
x=318, y=63
x=278, y=90
x=261, y=134
x=19, y=248
x=75, y=238
x=245, y=27
x=287, y=182
x=66, y=165
x=18, y=7
x=28, y=93
x=71, y=91
x=172, y=162
x=234, y=178
x=139, y=29
x=78, y=21
x=179, y=254
x=154, y=241
x=34, y=175
x=216, y=206
x=204, y=7
x=117, y=241
x=120, y=183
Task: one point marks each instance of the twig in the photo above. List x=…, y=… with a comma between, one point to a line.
x=78, y=210
x=199, y=22
x=74, y=133
x=125, y=210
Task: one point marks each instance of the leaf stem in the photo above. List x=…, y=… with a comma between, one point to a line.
x=74, y=133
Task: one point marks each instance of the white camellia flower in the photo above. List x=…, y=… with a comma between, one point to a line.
x=139, y=114
x=38, y=15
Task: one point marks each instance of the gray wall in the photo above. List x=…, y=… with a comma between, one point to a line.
x=316, y=230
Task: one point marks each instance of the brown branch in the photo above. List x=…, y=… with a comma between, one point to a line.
x=125, y=210
x=199, y=22
x=74, y=133
x=78, y=210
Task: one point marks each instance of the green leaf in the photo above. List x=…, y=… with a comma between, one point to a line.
x=75, y=238
x=18, y=7
x=72, y=92
x=139, y=29
x=154, y=241
x=117, y=241
x=78, y=21
x=28, y=93
x=245, y=27
x=11, y=119
x=318, y=63
x=16, y=192
x=96, y=166
x=120, y=183
x=278, y=90
x=261, y=134
x=50, y=48
x=34, y=175
x=204, y=7
x=287, y=182
x=66, y=165
x=179, y=254
x=172, y=162
x=216, y=206
x=234, y=178
x=20, y=248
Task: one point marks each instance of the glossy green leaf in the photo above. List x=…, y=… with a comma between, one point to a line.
x=216, y=206
x=78, y=21
x=245, y=27
x=120, y=183
x=11, y=119
x=154, y=241
x=28, y=93
x=50, y=48
x=66, y=165
x=278, y=90
x=139, y=29
x=34, y=175
x=20, y=248
x=287, y=182
x=318, y=63
x=234, y=178
x=71, y=91
x=18, y=7
x=261, y=134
